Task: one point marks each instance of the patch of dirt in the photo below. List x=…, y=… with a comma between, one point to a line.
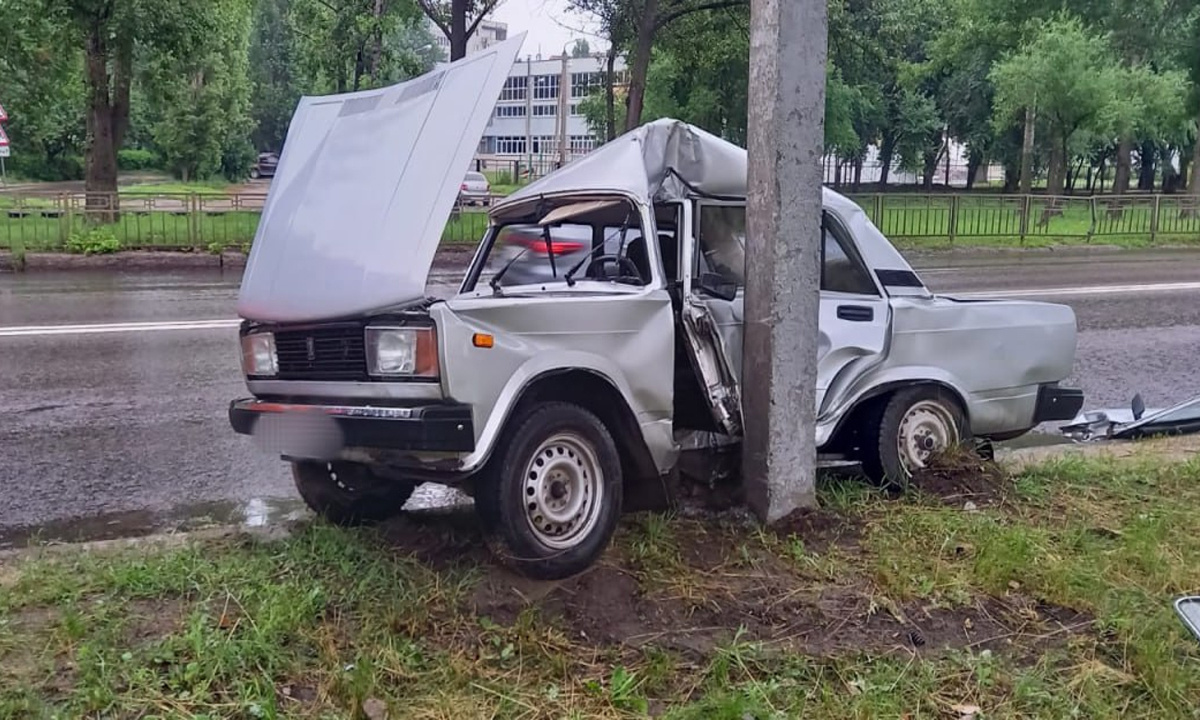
x=819, y=529
x=150, y=620
x=961, y=477
x=440, y=540
x=702, y=605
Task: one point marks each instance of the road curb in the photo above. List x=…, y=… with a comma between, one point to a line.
x=446, y=258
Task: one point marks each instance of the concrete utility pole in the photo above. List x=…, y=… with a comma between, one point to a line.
x=783, y=254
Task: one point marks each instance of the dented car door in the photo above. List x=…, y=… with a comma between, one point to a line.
x=855, y=316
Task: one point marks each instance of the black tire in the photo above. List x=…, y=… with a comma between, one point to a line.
x=255, y=174
x=883, y=460
x=574, y=446
x=350, y=494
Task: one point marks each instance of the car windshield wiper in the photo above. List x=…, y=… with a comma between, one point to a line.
x=495, y=281
x=570, y=276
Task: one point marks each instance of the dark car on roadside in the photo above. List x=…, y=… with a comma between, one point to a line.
x=264, y=166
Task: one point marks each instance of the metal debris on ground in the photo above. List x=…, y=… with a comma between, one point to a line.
x=1135, y=422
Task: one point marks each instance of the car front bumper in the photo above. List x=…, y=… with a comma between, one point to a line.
x=321, y=431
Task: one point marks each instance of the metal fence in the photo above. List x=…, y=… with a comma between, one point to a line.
x=70, y=222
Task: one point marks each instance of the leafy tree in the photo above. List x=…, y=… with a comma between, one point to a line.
x=41, y=77
x=342, y=45
x=458, y=20
x=581, y=49
x=203, y=122
x=1070, y=77
x=272, y=74
x=109, y=32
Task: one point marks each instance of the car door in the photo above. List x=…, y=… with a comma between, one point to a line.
x=854, y=313
x=713, y=246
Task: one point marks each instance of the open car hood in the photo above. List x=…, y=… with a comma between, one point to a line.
x=363, y=190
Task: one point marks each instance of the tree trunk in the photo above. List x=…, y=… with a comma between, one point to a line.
x=1124, y=166
x=1146, y=176
x=641, y=64
x=458, y=30
x=1192, y=209
x=858, y=163
x=1054, y=181
x=610, y=99
x=1027, y=152
x=886, y=150
x=359, y=67
x=101, y=156
x=1170, y=177
x=376, y=59
x=974, y=163
x=837, y=171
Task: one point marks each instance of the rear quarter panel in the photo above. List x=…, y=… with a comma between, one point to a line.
x=994, y=353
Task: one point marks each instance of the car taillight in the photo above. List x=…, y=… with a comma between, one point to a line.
x=463, y=187
x=538, y=245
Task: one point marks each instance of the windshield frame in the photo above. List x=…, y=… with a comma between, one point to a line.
x=471, y=281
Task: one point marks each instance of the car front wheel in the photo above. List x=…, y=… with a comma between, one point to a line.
x=910, y=428
x=350, y=494
x=551, y=505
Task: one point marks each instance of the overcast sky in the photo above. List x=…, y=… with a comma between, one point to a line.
x=549, y=23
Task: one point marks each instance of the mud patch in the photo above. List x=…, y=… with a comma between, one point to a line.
x=151, y=620
x=960, y=477
x=819, y=529
x=441, y=539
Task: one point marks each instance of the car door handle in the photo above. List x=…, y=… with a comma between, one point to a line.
x=855, y=313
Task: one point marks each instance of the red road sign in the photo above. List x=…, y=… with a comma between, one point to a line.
x=3, y=115
x=3, y=137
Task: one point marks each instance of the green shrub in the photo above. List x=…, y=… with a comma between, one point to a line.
x=99, y=240
x=138, y=159
x=54, y=168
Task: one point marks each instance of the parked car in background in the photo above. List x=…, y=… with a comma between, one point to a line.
x=265, y=166
x=475, y=190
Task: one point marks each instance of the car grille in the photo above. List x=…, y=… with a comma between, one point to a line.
x=329, y=353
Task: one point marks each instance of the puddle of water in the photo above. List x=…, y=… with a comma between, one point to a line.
x=254, y=513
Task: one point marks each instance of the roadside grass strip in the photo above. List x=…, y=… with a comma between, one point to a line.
x=979, y=594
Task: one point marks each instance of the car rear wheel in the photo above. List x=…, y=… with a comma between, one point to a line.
x=350, y=494
x=254, y=173
x=551, y=505
x=909, y=428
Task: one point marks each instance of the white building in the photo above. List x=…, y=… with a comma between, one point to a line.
x=487, y=34
x=538, y=114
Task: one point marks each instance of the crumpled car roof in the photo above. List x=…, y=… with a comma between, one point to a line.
x=668, y=160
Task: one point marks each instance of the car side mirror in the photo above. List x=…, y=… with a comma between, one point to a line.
x=714, y=285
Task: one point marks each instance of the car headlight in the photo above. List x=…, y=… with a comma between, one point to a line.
x=402, y=352
x=258, y=355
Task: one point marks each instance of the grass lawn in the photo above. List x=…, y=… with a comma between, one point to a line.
x=213, y=187
x=1052, y=600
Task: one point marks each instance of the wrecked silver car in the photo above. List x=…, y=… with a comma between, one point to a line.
x=556, y=383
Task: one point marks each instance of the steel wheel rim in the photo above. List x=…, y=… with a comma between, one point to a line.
x=563, y=491
x=926, y=428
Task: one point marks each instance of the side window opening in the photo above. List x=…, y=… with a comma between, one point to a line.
x=721, y=242
x=841, y=269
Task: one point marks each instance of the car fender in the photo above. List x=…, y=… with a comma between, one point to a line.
x=529, y=373
x=884, y=379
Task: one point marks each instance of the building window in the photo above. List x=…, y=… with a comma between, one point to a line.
x=514, y=88
x=545, y=87
x=582, y=144
x=575, y=110
x=543, y=145
x=510, y=146
x=582, y=84
x=510, y=111
x=545, y=110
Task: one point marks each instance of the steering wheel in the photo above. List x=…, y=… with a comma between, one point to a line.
x=627, y=271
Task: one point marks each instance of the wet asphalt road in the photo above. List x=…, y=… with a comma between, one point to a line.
x=112, y=433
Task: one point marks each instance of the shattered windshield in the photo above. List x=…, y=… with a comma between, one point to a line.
x=591, y=243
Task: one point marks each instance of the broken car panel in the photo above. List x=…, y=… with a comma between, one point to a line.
x=1135, y=422
x=596, y=333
